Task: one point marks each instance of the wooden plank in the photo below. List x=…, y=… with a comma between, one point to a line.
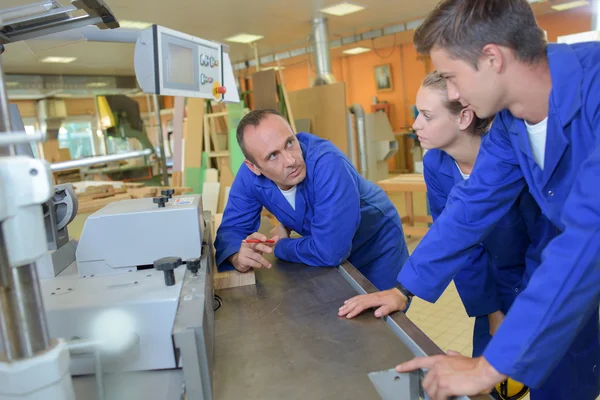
x=229, y=279
x=326, y=107
x=176, y=178
x=140, y=193
x=290, y=112
x=95, y=205
x=226, y=180
x=193, y=133
x=131, y=185
x=108, y=194
x=404, y=183
x=264, y=90
x=210, y=196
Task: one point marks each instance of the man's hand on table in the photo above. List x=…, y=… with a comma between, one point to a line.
x=251, y=254
x=386, y=301
x=454, y=375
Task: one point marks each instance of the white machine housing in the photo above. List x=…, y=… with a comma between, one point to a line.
x=134, y=233
x=381, y=145
x=168, y=62
x=115, y=239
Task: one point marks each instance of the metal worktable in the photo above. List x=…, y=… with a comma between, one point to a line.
x=283, y=339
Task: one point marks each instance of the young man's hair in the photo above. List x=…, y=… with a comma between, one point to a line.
x=434, y=80
x=253, y=118
x=464, y=27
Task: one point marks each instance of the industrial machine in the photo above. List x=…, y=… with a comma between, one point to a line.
x=135, y=294
x=120, y=119
x=376, y=142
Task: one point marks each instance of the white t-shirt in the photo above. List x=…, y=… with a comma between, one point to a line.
x=537, y=138
x=464, y=176
x=290, y=196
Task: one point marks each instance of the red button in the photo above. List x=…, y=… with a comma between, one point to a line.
x=221, y=90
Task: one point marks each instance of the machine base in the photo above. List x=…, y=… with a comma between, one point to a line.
x=107, y=308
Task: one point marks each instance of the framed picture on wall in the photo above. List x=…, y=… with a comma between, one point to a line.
x=383, y=78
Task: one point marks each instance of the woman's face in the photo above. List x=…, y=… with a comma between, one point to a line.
x=436, y=126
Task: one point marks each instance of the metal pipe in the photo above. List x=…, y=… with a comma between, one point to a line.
x=84, y=162
x=321, y=51
x=161, y=142
x=595, y=15
x=21, y=138
x=4, y=114
x=32, y=328
x=361, y=130
x=23, y=324
x=8, y=320
x=99, y=376
x=351, y=147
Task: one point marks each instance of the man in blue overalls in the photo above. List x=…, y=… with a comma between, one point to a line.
x=546, y=134
x=311, y=188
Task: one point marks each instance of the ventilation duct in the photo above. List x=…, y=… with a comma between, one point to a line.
x=321, y=52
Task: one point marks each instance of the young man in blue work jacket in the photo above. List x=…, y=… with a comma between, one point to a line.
x=547, y=135
x=311, y=188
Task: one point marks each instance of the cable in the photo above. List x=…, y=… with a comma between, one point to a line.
x=218, y=302
x=380, y=56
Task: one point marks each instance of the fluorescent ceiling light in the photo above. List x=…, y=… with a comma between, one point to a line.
x=569, y=5
x=12, y=84
x=60, y=60
x=244, y=38
x=535, y=1
x=134, y=24
x=274, y=68
x=96, y=84
x=356, y=50
x=342, y=9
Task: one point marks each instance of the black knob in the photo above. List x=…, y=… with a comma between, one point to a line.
x=161, y=200
x=193, y=265
x=167, y=192
x=167, y=265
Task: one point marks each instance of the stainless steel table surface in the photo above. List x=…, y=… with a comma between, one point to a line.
x=282, y=339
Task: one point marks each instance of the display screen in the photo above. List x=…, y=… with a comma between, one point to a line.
x=180, y=64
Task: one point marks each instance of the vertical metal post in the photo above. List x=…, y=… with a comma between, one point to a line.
x=22, y=317
x=4, y=113
x=595, y=15
x=8, y=320
x=163, y=157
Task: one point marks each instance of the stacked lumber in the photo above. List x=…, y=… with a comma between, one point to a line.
x=93, y=198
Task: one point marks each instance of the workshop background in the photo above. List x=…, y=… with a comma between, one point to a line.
x=355, y=63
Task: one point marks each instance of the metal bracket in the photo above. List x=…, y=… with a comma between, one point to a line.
x=392, y=385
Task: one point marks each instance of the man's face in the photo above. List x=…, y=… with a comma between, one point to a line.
x=275, y=151
x=477, y=89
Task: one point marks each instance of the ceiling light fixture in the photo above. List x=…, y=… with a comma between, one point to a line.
x=356, y=50
x=59, y=60
x=134, y=24
x=342, y=9
x=244, y=38
x=570, y=5
x=96, y=84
